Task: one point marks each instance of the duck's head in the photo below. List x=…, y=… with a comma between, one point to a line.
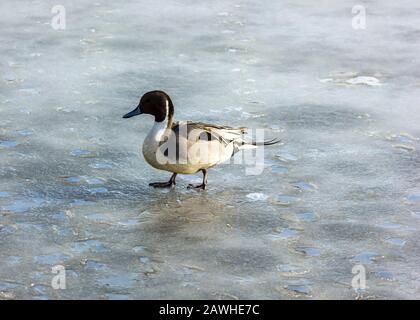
x=156, y=103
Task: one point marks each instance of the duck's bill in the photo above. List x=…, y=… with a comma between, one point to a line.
x=133, y=113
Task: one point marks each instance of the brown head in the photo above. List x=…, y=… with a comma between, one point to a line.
x=156, y=103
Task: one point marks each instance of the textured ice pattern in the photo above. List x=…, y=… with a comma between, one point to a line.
x=343, y=188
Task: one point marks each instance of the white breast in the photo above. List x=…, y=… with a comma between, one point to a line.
x=151, y=144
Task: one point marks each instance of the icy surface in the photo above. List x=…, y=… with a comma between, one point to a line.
x=342, y=189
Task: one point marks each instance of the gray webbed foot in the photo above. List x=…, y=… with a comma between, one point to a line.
x=199, y=186
x=170, y=184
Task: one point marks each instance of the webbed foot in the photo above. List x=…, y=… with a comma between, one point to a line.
x=171, y=183
x=199, y=186
x=168, y=184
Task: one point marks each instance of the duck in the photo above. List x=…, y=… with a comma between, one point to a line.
x=186, y=147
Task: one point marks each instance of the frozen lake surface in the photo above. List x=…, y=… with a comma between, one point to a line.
x=343, y=188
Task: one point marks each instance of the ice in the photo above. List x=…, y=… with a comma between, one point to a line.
x=95, y=266
x=52, y=259
x=139, y=249
x=414, y=198
x=286, y=157
x=306, y=216
x=416, y=214
x=13, y=260
x=98, y=190
x=256, y=196
x=285, y=200
x=116, y=296
x=370, y=81
x=6, y=286
x=310, y=252
x=292, y=270
x=7, y=229
x=39, y=289
x=396, y=241
x=82, y=202
x=88, y=245
x=279, y=169
x=390, y=225
x=284, y=234
x=26, y=132
x=73, y=179
x=104, y=164
x=341, y=189
x=118, y=282
x=365, y=257
x=129, y=223
x=81, y=153
x=304, y=186
x=351, y=78
x=386, y=275
x=22, y=205
x=298, y=288
x=144, y=259
x=9, y=144
x=404, y=147
x=98, y=217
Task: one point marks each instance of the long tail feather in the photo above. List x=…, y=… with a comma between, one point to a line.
x=244, y=144
x=265, y=142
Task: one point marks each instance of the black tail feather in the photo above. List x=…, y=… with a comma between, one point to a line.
x=266, y=142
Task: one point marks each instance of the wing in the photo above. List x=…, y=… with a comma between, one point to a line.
x=208, y=131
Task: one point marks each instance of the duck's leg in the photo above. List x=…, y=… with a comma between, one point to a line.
x=203, y=185
x=168, y=184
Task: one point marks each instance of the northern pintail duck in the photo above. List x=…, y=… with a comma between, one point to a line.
x=186, y=147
